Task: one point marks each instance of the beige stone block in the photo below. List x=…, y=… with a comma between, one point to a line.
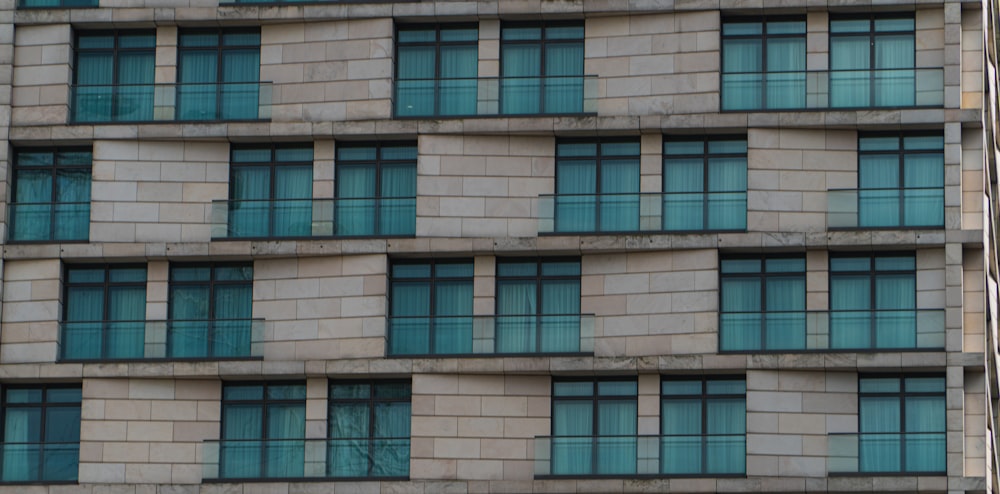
x=456, y=448
x=457, y=405
x=129, y=452
x=434, y=426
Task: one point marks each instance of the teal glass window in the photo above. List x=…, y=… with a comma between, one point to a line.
x=430, y=307
x=594, y=424
x=537, y=305
x=113, y=76
x=104, y=312
x=541, y=68
x=873, y=301
x=56, y=4
x=901, y=424
x=270, y=191
x=901, y=180
x=764, y=63
x=763, y=303
x=437, y=69
x=597, y=185
x=218, y=74
x=41, y=433
x=369, y=429
x=704, y=183
x=703, y=426
x=51, y=195
x=210, y=308
x=376, y=188
x=872, y=60
x=263, y=430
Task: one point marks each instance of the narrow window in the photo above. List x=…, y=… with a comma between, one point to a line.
x=41, y=433
x=51, y=195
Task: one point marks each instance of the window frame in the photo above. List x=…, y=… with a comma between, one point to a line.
x=431, y=286
x=370, y=403
x=210, y=319
x=115, y=52
x=437, y=44
x=378, y=164
x=53, y=170
x=264, y=403
x=763, y=276
x=872, y=35
x=594, y=399
x=43, y=406
x=901, y=153
x=220, y=48
x=272, y=164
x=763, y=37
x=902, y=396
x=705, y=156
x=703, y=399
x=598, y=159
x=542, y=42
x=106, y=286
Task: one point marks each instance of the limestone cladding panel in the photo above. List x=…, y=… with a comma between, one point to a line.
x=41, y=76
x=482, y=186
x=331, y=70
x=149, y=191
x=31, y=311
x=655, y=63
x=478, y=427
x=973, y=301
x=652, y=303
x=972, y=58
x=146, y=431
x=790, y=413
x=973, y=193
x=322, y=307
x=975, y=447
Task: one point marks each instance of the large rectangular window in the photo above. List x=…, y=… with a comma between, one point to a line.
x=51, y=195
x=872, y=60
x=538, y=305
x=763, y=63
x=873, y=301
x=597, y=185
x=541, y=68
x=218, y=74
x=437, y=70
x=704, y=183
x=113, y=76
x=369, y=429
x=270, y=191
x=763, y=302
x=376, y=188
x=703, y=424
x=41, y=433
x=263, y=430
x=901, y=424
x=594, y=427
x=210, y=308
x=901, y=180
x=104, y=310
x=430, y=307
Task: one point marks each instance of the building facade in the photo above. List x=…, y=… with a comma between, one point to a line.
x=498, y=247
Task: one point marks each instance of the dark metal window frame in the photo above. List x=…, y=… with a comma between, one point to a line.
x=220, y=48
x=872, y=35
x=114, y=50
x=595, y=399
x=211, y=283
x=264, y=404
x=42, y=405
x=704, y=398
x=704, y=156
x=902, y=395
x=272, y=165
x=538, y=277
x=598, y=158
x=378, y=163
x=54, y=170
x=431, y=284
x=437, y=44
x=370, y=403
x=763, y=37
x=542, y=42
x=763, y=275
x=105, y=285
x=901, y=154
x=872, y=273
